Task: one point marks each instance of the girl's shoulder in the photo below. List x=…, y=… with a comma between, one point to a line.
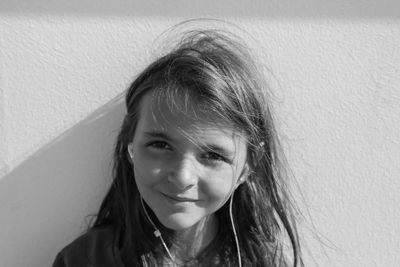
x=94, y=248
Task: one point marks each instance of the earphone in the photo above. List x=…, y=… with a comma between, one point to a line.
x=130, y=152
x=243, y=175
x=156, y=232
x=234, y=231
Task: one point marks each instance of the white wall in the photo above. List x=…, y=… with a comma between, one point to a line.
x=337, y=63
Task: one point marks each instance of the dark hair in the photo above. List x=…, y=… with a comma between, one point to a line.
x=209, y=67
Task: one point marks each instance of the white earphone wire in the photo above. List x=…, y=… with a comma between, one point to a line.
x=157, y=232
x=234, y=231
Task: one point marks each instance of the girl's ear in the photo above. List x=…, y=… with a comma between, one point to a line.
x=130, y=152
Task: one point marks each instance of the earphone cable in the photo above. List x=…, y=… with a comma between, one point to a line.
x=156, y=232
x=234, y=231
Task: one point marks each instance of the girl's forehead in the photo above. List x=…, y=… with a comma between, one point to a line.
x=187, y=117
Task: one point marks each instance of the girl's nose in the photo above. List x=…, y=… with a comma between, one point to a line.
x=183, y=173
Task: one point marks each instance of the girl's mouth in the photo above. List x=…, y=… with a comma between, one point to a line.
x=175, y=198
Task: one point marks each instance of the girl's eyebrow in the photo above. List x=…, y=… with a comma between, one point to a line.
x=210, y=147
x=156, y=134
x=218, y=149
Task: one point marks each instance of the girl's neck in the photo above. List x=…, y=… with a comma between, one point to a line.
x=188, y=243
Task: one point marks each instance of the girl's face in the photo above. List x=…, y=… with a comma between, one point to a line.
x=185, y=168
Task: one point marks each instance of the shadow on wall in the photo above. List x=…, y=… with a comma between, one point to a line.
x=42, y=200
x=254, y=8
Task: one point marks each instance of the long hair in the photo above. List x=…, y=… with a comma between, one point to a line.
x=210, y=68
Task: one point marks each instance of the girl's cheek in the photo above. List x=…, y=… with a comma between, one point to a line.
x=150, y=170
x=148, y=174
x=218, y=185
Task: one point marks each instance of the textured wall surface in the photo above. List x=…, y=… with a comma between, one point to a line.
x=336, y=92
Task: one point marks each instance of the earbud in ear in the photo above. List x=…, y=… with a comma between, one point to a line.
x=240, y=181
x=130, y=150
x=244, y=175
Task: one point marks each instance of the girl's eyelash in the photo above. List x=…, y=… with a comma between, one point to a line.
x=210, y=155
x=158, y=144
x=216, y=156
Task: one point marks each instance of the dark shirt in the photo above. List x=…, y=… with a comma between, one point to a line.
x=93, y=249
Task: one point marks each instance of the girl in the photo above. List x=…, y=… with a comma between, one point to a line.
x=197, y=180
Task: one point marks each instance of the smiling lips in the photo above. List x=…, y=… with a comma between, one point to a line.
x=179, y=199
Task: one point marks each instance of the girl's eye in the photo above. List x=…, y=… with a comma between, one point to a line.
x=214, y=157
x=159, y=145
